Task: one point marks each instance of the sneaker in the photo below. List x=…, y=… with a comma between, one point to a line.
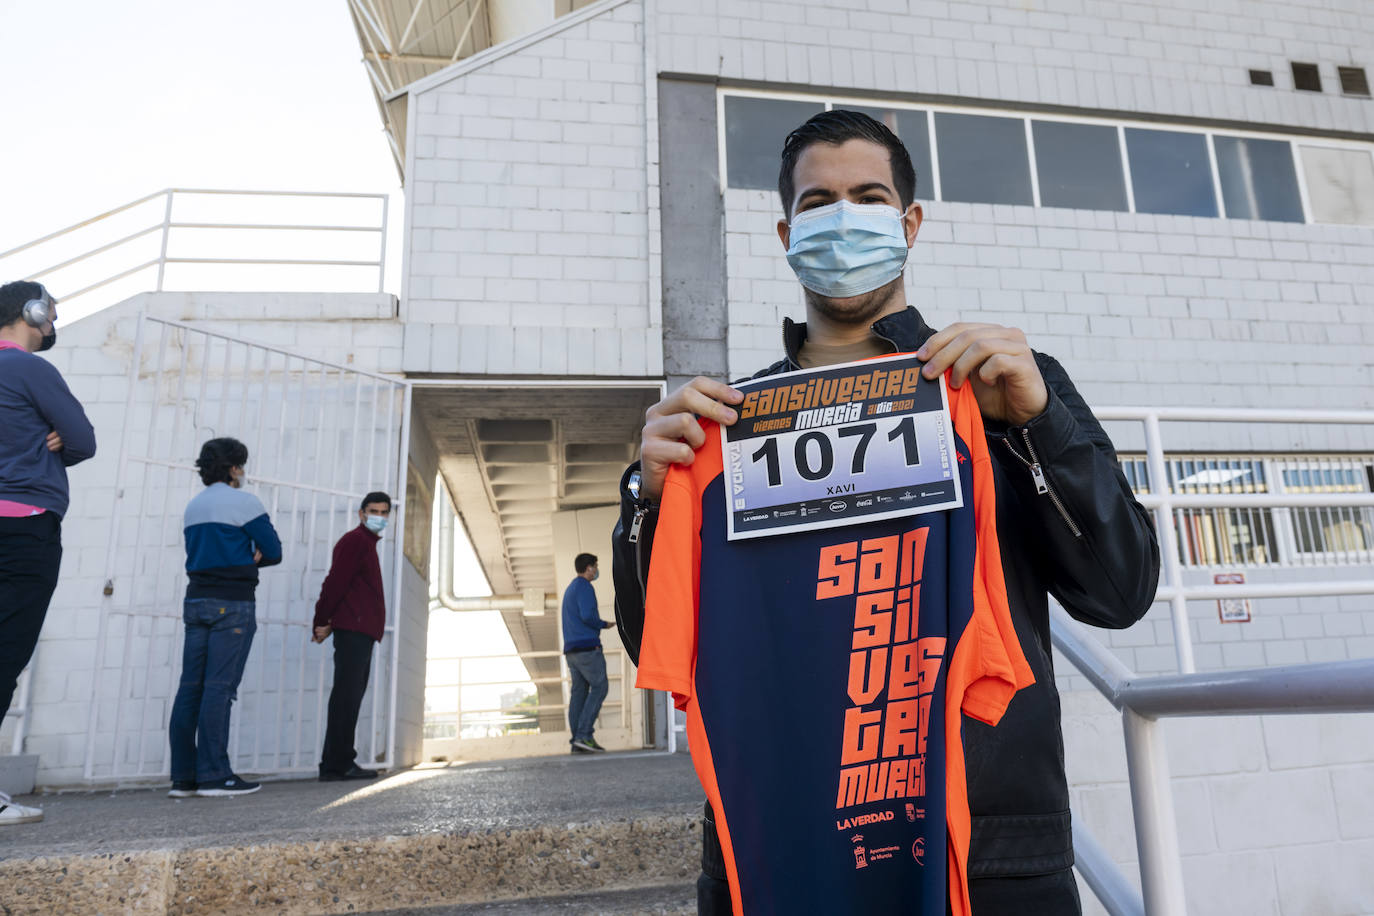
x=353, y=772
x=581, y=747
x=183, y=788
x=11, y=813
x=227, y=787
x=591, y=743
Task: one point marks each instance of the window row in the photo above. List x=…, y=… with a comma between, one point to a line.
x=1269, y=536
x=1080, y=164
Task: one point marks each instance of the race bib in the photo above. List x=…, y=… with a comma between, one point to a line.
x=839, y=445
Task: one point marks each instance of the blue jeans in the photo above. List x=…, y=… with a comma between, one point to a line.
x=218, y=636
x=588, y=670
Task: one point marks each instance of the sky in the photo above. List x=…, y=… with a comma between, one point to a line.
x=104, y=102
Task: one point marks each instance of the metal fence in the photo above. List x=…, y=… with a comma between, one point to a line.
x=318, y=435
x=1293, y=493
x=139, y=240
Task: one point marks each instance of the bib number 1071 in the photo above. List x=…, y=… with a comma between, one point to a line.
x=818, y=462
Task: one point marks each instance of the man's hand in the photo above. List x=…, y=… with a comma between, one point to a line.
x=257, y=556
x=54, y=442
x=672, y=433
x=999, y=363
x=322, y=633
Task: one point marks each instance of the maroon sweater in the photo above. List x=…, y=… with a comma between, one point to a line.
x=351, y=598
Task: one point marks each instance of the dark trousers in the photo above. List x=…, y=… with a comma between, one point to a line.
x=352, y=666
x=219, y=634
x=30, y=554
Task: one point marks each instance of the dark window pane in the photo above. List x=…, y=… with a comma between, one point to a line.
x=1170, y=172
x=983, y=159
x=754, y=131
x=1258, y=180
x=1079, y=166
x=910, y=127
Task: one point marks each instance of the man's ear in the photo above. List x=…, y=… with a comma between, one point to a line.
x=911, y=222
x=785, y=233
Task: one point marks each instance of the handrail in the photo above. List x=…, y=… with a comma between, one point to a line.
x=168, y=227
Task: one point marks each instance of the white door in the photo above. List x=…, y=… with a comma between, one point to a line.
x=319, y=436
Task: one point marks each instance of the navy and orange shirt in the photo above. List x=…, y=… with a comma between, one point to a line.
x=824, y=674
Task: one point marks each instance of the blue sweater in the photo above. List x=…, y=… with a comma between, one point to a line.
x=34, y=401
x=223, y=528
x=582, y=625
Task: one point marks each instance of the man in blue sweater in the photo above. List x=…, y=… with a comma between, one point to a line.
x=228, y=537
x=43, y=431
x=582, y=627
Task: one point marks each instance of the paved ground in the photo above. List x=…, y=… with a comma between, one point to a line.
x=674, y=900
x=439, y=798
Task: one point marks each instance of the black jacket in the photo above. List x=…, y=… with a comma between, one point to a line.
x=1084, y=540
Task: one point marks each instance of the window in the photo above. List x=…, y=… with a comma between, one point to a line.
x=911, y=128
x=1170, y=172
x=1340, y=184
x=1344, y=531
x=1307, y=78
x=1261, y=78
x=754, y=132
x=1079, y=166
x=1353, y=81
x=983, y=159
x=1258, y=180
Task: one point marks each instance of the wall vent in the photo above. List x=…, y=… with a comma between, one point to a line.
x=1261, y=78
x=1353, y=81
x=1306, y=77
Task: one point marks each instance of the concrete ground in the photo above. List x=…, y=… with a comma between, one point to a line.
x=442, y=838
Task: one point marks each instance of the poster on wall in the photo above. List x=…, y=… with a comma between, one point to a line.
x=1232, y=610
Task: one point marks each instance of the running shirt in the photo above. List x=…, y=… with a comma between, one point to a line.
x=823, y=674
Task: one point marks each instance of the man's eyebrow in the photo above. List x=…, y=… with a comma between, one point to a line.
x=871, y=186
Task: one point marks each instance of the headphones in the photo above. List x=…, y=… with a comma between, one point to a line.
x=38, y=312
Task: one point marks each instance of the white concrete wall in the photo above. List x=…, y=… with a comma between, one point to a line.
x=527, y=207
x=358, y=330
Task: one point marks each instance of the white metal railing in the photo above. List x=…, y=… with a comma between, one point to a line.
x=107, y=246
x=1315, y=688
x=617, y=673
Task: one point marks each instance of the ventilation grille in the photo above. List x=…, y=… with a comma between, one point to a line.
x=1306, y=77
x=1261, y=78
x=1354, y=81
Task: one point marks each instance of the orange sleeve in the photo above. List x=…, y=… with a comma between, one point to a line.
x=1001, y=667
x=668, y=652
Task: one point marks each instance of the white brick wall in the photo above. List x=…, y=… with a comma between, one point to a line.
x=1180, y=58
x=529, y=220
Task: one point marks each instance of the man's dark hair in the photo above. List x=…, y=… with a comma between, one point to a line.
x=12, y=299
x=836, y=127
x=583, y=561
x=376, y=496
x=218, y=457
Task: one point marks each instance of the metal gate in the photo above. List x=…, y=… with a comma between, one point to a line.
x=319, y=435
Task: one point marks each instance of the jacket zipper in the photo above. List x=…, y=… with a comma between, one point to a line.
x=1042, y=484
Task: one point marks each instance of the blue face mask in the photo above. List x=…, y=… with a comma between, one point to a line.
x=375, y=523
x=844, y=249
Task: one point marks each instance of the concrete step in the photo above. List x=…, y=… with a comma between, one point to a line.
x=667, y=900
x=544, y=832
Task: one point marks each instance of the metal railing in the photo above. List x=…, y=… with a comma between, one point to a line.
x=617, y=672
x=1299, y=689
x=89, y=272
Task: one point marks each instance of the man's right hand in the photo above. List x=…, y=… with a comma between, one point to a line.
x=671, y=431
x=322, y=633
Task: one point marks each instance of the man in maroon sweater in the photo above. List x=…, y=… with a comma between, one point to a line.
x=353, y=609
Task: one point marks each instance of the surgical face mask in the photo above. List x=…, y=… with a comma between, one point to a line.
x=49, y=339
x=844, y=249
x=596, y=574
x=375, y=523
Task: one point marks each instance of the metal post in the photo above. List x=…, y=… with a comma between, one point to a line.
x=166, y=232
x=1159, y=482
x=381, y=258
x=1156, y=830
x=398, y=567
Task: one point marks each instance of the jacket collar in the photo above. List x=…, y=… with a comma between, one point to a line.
x=905, y=330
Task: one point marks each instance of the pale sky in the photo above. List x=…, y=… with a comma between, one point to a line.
x=104, y=102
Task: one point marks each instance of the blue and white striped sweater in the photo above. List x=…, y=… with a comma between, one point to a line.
x=223, y=527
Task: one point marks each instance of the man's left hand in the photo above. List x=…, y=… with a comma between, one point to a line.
x=54, y=442
x=997, y=361
x=322, y=633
